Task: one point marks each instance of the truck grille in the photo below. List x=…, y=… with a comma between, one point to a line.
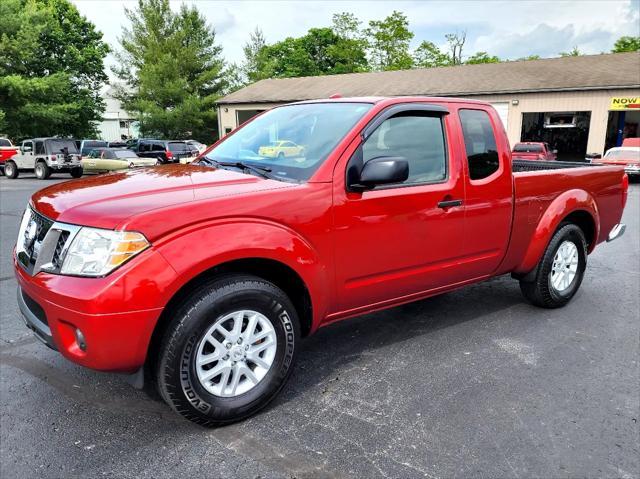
x=41, y=244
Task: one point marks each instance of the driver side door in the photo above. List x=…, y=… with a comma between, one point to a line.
x=395, y=242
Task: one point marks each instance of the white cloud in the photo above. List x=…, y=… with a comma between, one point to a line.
x=505, y=28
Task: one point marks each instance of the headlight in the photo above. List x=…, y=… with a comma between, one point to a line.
x=97, y=252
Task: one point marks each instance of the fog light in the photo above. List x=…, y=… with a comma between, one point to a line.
x=82, y=344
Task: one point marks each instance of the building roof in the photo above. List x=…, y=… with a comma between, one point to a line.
x=588, y=72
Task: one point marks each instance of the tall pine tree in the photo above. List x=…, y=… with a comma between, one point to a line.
x=172, y=70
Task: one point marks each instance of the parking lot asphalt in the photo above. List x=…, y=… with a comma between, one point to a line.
x=474, y=383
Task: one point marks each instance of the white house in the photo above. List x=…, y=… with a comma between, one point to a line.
x=116, y=124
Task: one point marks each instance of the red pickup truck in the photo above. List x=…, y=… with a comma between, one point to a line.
x=202, y=278
x=7, y=150
x=530, y=150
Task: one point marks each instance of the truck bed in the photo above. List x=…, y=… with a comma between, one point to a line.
x=521, y=165
x=538, y=183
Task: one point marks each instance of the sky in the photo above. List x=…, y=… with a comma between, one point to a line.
x=509, y=29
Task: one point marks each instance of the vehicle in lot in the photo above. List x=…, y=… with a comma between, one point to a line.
x=530, y=150
x=7, y=150
x=86, y=146
x=165, y=151
x=627, y=156
x=113, y=159
x=45, y=156
x=198, y=146
x=202, y=278
x=281, y=149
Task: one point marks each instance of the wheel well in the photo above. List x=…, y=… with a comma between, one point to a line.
x=585, y=222
x=273, y=271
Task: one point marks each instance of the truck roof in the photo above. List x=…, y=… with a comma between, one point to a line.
x=392, y=99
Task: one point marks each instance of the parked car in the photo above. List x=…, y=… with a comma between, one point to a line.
x=530, y=150
x=281, y=149
x=85, y=146
x=165, y=151
x=627, y=156
x=199, y=146
x=7, y=150
x=45, y=156
x=202, y=278
x=112, y=159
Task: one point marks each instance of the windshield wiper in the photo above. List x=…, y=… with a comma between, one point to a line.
x=259, y=170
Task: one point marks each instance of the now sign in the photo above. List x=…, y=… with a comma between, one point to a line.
x=625, y=103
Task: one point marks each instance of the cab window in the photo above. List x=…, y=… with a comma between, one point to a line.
x=416, y=136
x=480, y=143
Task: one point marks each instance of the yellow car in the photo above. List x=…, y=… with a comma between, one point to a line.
x=281, y=149
x=113, y=159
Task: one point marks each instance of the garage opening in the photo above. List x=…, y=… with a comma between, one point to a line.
x=620, y=126
x=246, y=115
x=566, y=131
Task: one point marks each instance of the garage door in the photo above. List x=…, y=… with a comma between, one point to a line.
x=502, y=108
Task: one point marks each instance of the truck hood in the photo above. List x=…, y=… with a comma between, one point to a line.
x=106, y=201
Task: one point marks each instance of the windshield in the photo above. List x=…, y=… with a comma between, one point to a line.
x=293, y=140
x=629, y=154
x=520, y=148
x=94, y=144
x=178, y=146
x=56, y=146
x=124, y=154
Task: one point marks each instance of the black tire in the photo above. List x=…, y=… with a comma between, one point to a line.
x=76, y=172
x=11, y=170
x=541, y=292
x=42, y=170
x=176, y=374
x=281, y=156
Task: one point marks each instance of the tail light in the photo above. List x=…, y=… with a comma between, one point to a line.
x=53, y=157
x=169, y=155
x=625, y=189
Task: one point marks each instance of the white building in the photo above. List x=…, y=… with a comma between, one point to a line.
x=116, y=124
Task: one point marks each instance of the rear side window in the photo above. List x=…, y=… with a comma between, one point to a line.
x=4, y=142
x=416, y=137
x=480, y=143
x=158, y=147
x=40, y=148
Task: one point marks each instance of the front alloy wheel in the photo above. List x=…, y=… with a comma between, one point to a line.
x=236, y=353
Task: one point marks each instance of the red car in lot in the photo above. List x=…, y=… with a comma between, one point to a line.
x=7, y=150
x=203, y=278
x=626, y=156
x=530, y=150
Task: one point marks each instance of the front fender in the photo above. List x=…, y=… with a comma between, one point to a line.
x=568, y=202
x=203, y=246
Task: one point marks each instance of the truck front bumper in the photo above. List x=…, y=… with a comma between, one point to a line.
x=616, y=231
x=100, y=323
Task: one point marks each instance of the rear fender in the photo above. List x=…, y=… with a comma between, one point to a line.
x=568, y=202
x=203, y=246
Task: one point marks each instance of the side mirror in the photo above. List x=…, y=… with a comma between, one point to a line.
x=384, y=170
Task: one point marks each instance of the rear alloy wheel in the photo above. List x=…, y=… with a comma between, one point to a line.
x=42, y=170
x=560, y=271
x=228, y=350
x=10, y=170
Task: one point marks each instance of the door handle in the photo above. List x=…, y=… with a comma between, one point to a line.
x=449, y=203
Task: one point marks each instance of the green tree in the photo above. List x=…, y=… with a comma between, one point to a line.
x=320, y=52
x=530, y=57
x=626, y=44
x=172, y=70
x=428, y=55
x=389, y=42
x=51, y=69
x=482, y=57
x=252, y=69
x=347, y=25
x=574, y=52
